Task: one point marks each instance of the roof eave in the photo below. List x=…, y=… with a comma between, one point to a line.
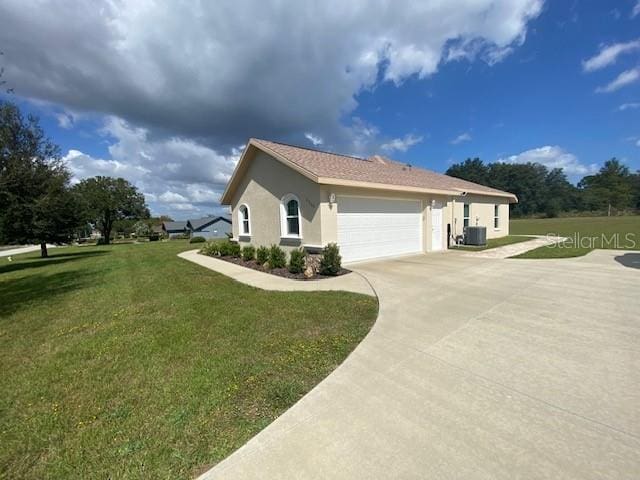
x=512, y=198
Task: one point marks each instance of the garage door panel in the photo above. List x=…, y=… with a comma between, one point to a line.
x=373, y=228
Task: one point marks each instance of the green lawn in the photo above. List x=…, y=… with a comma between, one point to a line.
x=125, y=361
x=494, y=242
x=584, y=234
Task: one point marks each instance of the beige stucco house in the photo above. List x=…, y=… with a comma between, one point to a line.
x=372, y=208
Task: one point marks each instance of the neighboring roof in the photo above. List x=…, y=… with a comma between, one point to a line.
x=199, y=223
x=174, y=226
x=374, y=172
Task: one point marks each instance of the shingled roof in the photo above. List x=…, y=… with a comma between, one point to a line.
x=373, y=172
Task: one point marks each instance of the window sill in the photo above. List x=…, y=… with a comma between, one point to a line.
x=292, y=241
x=244, y=236
x=290, y=237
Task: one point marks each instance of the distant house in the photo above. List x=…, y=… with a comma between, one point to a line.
x=210, y=227
x=174, y=229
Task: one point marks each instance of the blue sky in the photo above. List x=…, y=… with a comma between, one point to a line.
x=430, y=85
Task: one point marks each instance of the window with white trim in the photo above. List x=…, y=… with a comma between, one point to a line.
x=496, y=216
x=290, y=216
x=243, y=220
x=465, y=215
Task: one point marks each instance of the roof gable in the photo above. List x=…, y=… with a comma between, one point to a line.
x=199, y=223
x=174, y=226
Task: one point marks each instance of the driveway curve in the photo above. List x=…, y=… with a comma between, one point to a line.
x=476, y=368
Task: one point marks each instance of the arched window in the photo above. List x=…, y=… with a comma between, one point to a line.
x=290, y=216
x=243, y=220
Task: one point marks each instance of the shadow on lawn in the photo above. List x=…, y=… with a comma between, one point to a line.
x=18, y=292
x=36, y=262
x=631, y=260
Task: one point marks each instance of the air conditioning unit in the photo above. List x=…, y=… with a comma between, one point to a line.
x=475, y=236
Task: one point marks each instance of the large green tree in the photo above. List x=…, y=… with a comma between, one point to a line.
x=539, y=190
x=610, y=188
x=108, y=200
x=36, y=203
x=472, y=170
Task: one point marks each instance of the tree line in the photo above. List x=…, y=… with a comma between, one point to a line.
x=38, y=203
x=543, y=191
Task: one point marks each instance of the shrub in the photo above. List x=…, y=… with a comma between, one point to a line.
x=211, y=248
x=277, y=257
x=248, y=253
x=154, y=237
x=262, y=255
x=224, y=248
x=331, y=261
x=296, y=261
x=197, y=240
x=235, y=250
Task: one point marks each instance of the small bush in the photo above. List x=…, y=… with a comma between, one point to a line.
x=331, y=261
x=277, y=257
x=248, y=253
x=235, y=250
x=296, y=261
x=262, y=255
x=154, y=237
x=101, y=241
x=224, y=248
x=197, y=240
x=211, y=248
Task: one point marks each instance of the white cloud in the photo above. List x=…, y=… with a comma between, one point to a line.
x=629, y=106
x=175, y=174
x=625, y=78
x=314, y=139
x=636, y=10
x=608, y=55
x=463, y=137
x=182, y=207
x=181, y=88
x=552, y=157
x=401, y=144
x=212, y=74
x=172, y=197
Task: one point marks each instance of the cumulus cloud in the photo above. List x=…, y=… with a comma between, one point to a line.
x=175, y=174
x=625, y=78
x=213, y=74
x=636, y=10
x=552, y=157
x=181, y=88
x=608, y=55
x=463, y=137
x=401, y=144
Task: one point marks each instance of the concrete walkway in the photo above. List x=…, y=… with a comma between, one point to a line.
x=475, y=369
x=351, y=282
x=516, y=248
x=19, y=250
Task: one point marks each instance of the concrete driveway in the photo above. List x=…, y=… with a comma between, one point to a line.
x=476, y=368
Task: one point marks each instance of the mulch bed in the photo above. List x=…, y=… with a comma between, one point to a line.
x=281, y=272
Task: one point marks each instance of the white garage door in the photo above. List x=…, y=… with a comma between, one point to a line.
x=372, y=228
